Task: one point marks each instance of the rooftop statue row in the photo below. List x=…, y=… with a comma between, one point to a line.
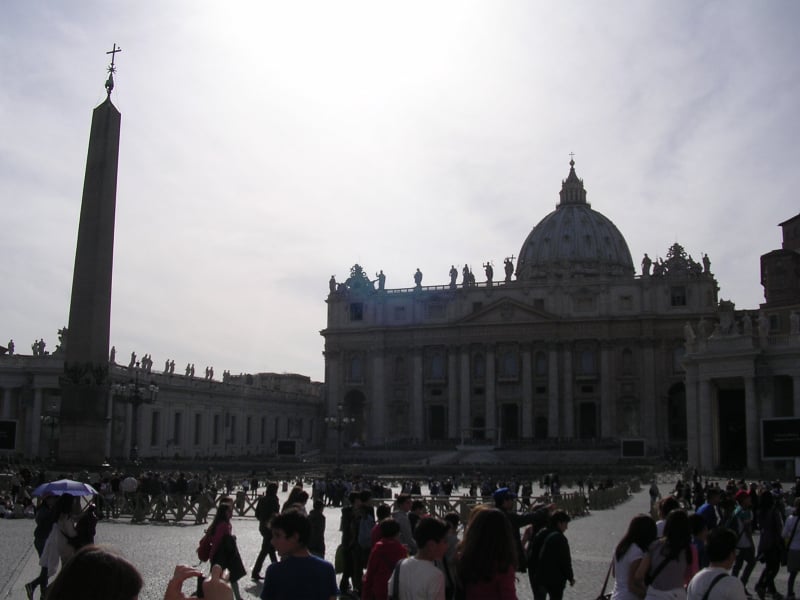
x=677, y=263
x=360, y=281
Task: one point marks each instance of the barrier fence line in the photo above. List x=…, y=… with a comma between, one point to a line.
x=198, y=508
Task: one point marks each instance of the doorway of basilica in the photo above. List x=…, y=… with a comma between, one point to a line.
x=355, y=408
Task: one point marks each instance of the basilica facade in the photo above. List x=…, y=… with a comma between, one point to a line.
x=571, y=345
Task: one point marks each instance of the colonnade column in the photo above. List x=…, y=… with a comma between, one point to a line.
x=36, y=423
x=6, y=412
x=109, y=422
x=527, y=395
x=648, y=400
x=796, y=395
x=607, y=412
x=568, y=421
x=333, y=392
x=491, y=406
x=553, y=419
x=704, y=429
x=692, y=416
x=452, y=393
x=417, y=418
x=751, y=424
x=464, y=412
x=378, y=400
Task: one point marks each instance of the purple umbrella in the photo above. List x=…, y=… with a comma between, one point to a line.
x=65, y=486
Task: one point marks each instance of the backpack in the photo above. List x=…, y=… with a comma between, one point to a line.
x=204, y=548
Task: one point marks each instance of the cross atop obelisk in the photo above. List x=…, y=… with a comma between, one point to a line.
x=112, y=69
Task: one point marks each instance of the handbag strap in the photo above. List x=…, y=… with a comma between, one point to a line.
x=713, y=583
x=396, y=581
x=608, y=574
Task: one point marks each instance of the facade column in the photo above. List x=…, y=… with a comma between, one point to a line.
x=752, y=425
x=36, y=424
x=417, y=418
x=647, y=401
x=110, y=423
x=692, y=416
x=128, y=429
x=705, y=432
x=334, y=395
x=553, y=417
x=607, y=412
x=464, y=416
x=378, y=420
x=527, y=394
x=568, y=422
x=491, y=404
x=6, y=412
x=796, y=394
x=452, y=393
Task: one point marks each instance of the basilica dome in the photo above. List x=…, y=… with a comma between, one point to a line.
x=574, y=240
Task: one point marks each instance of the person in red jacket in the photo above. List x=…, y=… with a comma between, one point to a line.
x=382, y=559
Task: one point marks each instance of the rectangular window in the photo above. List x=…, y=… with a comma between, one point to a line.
x=155, y=421
x=247, y=427
x=436, y=311
x=677, y=295
x=198, y=427
x=399, y=313
x=538, y=303
x=177, y=426
x=541, y=389
x=232, y=434
x=356, y=311
x=215, y=433
x=263, y=430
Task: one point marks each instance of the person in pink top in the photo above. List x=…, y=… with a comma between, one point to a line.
x=487, y=558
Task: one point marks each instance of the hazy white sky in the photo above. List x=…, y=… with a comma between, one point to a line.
x=268, y=145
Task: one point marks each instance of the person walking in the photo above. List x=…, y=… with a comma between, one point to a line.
x=670, y=562
x=629, y=553
x=769, y=544
x=486, y=564
x=224, y=551
x=552, y=565
x=46, y=516
x=792, y=536
x=742, y=524
x=714, y=582
x=267, y=507
x=385, y=554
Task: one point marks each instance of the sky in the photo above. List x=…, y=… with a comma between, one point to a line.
x=266, y=146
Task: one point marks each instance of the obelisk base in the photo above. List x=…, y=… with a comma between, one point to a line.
x=84, y=424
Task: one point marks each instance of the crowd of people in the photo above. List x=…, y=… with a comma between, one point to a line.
x=703, y=541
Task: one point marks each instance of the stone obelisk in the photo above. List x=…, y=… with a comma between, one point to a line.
x=85, y=382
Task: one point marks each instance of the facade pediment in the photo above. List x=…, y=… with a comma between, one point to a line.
x=506, y=311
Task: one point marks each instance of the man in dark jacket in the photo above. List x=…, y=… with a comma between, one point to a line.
x=551, y=562
x=268, y=506
x=504, y=500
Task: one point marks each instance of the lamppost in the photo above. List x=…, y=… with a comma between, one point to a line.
x=135, y=394
x=50, y=418
x=339, y=422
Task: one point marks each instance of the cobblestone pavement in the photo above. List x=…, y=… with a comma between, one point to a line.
x=156, y=549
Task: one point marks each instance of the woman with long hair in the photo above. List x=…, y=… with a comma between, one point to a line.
x=57, y=548
x=791, y=534
x=629, y=553
x=224, y=551
x=487, y=558
x=670, y=562
x=769, y=543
